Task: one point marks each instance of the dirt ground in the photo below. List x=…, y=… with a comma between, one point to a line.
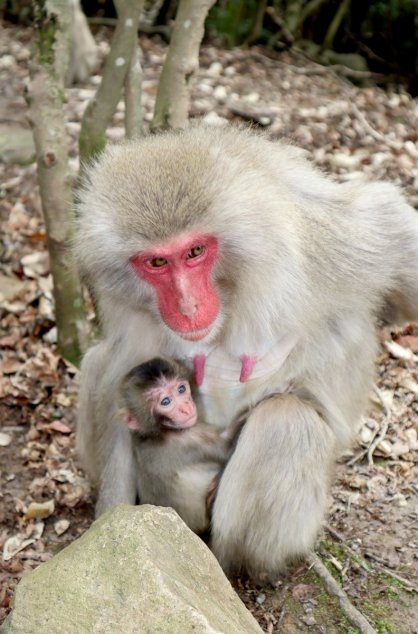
x=370, y=540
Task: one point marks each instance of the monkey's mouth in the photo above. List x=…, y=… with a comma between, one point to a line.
x=185, y=424
x=194, y=335
x=189, y=423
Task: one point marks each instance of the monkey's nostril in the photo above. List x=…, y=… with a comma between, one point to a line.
x=188, y=308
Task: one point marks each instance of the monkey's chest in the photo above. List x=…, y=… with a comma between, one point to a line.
x=224, y=396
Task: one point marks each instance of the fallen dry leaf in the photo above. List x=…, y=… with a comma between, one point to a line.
x=14, y=545
x=10, y=341
x=58, y=425
x=19, y=542
x=63, y=400
x=409, y=384
x=11, y=366
x=303, y=591
x=399, y=352
x=408, y=341
x=39, y=510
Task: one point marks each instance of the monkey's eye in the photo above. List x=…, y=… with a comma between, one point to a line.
x=157, y=263
x=181, y=389
x=196, y=251
x=165, y=401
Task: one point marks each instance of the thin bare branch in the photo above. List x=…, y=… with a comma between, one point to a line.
x=102, y=107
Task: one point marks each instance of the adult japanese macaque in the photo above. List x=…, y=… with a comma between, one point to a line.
x=237, y=256
x=177, y=457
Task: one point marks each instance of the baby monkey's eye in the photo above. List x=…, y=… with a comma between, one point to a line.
x=181, y=389
x=196, y=251
x=165, y=401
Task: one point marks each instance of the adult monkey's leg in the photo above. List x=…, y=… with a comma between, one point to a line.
x=272, y=495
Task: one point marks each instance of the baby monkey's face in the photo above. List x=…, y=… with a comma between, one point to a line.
x=171, y=402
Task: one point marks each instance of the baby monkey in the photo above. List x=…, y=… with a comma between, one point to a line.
x=178, y=457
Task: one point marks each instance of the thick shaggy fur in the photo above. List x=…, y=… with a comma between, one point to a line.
x=302, y=259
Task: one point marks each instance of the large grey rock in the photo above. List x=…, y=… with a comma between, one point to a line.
x=137, y=570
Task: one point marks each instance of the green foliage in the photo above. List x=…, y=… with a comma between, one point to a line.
x=391, y=30
x=233, y=20
x=384, y=32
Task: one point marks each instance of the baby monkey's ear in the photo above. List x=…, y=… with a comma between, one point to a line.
x=127, y=418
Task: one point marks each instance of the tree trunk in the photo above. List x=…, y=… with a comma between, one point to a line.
x=103, y=105
x=173, y=96
x=133, y=91
x=46, y=99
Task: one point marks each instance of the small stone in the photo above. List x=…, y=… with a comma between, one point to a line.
x=51, y=336
x=411, y=435
x=115, y=134
x=260, y=599
x=205, y=88
x=366, y=435
x=385, y=447
x=7, y=62
x=253, y=97
x=85, y=94
x=214, y=119
x=61, y=526
x=309, y=620
x=411, y=148
x=379, y=158
x=5, y=439
x=346, y=161
x=400, y=500
x=220, y=94
x=214, y=69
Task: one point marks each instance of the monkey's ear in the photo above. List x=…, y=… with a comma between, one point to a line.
x=127, y=418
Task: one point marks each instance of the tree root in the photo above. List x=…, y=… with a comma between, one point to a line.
x=355, y=617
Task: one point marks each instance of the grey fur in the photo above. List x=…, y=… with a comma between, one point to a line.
x=299, y=255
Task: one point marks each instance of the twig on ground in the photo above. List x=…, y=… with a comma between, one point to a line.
x=352, y=553
x=377, y=562
x=383, y=430
x=355, y=617
x=378, y=436
x=280, y=619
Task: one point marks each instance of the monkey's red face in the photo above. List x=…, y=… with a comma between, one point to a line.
x=172, y=401
x=180, y=273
